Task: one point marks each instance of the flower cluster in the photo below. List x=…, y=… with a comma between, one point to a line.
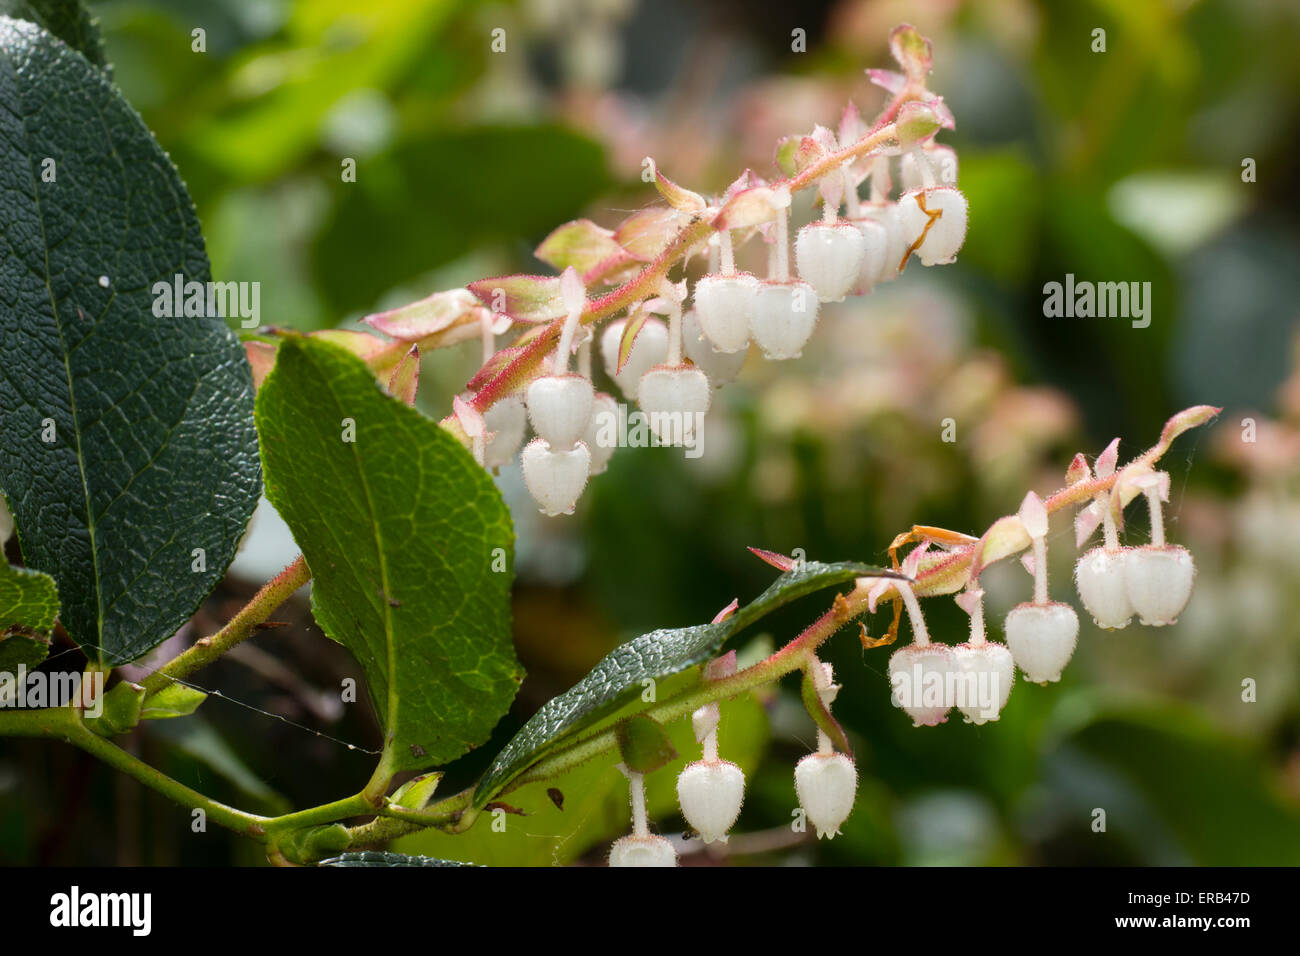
x=669, y=344
x=1152, y=581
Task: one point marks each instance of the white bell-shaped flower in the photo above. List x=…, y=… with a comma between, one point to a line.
x=555, y=478
x=922, y=678
x=987, y=672
x=559, y=406
x=602, y=432
x=710, y=793
x=722, y=307
x=782, y=318
x=886, y=215
x=506, y=420
x=827, y=785
x=674, y=399
x=829, y=257
x=649, y=850
x=937, y=217
x=648, y=350
x=1042, y=638
x=1101, y=579
x=875, y=246
x=1159, y=582
x=720, y=367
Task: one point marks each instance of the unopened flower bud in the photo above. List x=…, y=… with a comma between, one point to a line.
x=602, y=432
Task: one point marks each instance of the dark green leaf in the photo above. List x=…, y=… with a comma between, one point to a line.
x=66, y=19
x=622, y=673
x=376, y=858
x=29, y=603
x=643, y=744
x=409, y=543
x=153, y=452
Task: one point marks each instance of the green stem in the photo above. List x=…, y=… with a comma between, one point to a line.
x=241, y=627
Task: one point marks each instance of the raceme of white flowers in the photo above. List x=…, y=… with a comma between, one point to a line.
x=1152, y=581
x=711, y=791
x=669, y=358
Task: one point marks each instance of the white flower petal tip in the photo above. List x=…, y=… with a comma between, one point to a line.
x=923, y=682
x=1099, y=576
x=829, y=258
x=559, y=406
x=722, y=306
x=1159, y=582
x=1041, y=638
x=782, y=317
x=555, y=479
x=710, y=795
x=674, y=399
x=827, y=785
x=986, y=673
x=642, y=851
x=943, y=233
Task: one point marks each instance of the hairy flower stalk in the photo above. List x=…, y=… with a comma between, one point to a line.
x=710, y=791
x=1158, y=576
x=641, y=848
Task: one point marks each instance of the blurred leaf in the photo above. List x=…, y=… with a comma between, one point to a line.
x=433, y=199
x=409, y=543
x=1210, y=791
x=622, y=674
x=332, y=48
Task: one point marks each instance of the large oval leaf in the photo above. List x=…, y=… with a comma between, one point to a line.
x=620, y=674
x=126, y=439
x=410, y=546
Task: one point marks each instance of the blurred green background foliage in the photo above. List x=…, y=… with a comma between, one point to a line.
x=1122, y=165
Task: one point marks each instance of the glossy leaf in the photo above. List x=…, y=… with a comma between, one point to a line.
x=409, y=543
x=378, y=858
x=621, y=674
x=126, y=438
x=29, y=604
